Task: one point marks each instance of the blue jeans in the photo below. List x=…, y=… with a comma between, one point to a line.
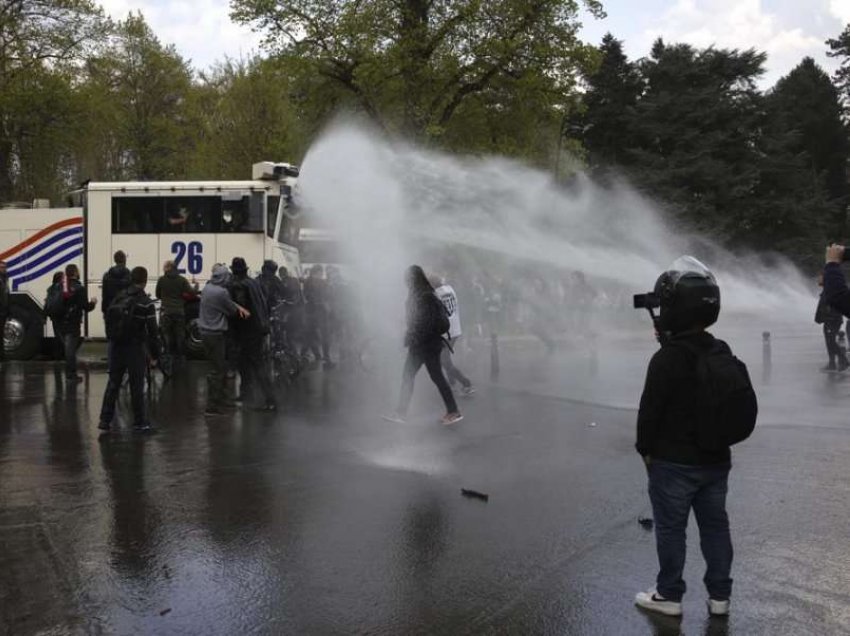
x=673, y=490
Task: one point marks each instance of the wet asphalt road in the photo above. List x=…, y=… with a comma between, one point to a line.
x=323, y=519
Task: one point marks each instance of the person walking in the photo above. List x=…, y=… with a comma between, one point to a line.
x=427, y=323
x=75, y=304
x=697, y=400
x=174, y=291
x=5, y=302
x=448, y=297
x=316, y=310
x=132, y=330
x=215, y=310
x=249, y=336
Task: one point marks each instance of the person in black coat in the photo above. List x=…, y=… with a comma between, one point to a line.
x=832, y=320
x=427, y=323
x=76, y=304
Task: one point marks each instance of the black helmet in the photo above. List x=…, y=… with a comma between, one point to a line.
x=689, y=296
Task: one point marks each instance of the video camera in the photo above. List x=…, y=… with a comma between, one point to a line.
x=649, y=300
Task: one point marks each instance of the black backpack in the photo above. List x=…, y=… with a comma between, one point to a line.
x=121, y=321
x=54, y=303
x=441, y=319
x=727, y=407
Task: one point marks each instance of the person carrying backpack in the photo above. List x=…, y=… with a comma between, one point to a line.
x=697, y=401
x=116, y=279
x=427, y=325
x=132, y=331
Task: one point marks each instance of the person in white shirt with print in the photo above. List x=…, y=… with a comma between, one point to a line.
x=448, y=297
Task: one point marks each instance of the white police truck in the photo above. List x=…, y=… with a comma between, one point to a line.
x=196, y=224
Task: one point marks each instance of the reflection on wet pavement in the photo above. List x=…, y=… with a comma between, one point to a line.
x=323, y=519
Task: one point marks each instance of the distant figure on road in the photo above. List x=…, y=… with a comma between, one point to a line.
x=174, y=291
x=832, y=321
x=115, y=280
x=427, y=323
x=132, y=332
x=75, y=304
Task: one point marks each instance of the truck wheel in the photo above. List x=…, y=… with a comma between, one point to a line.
x=194, y=344
x=23, y=333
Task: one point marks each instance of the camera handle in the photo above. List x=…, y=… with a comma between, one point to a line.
x=662, y=336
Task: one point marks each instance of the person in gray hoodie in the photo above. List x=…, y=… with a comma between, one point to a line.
x=216, y=308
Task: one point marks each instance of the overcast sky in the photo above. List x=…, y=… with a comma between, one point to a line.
x=787, y=30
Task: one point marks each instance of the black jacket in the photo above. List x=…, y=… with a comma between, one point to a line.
x=835, y=289
x=248, y=293
x=144, y=314
x=666, y=426
x=116, y=279
x=274, y=290
x=424, y=312
x=76, y=304
x=827, y=314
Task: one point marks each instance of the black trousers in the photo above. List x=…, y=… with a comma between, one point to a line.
x=2, y=337
x=830, y=335
x=430, y=357
x=174, y=333
x=254, y=369
x=130, y=358
x=452, y=372
x=215, y=348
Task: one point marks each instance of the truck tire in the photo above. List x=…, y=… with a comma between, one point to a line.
x=23, y=333
x=194, y=344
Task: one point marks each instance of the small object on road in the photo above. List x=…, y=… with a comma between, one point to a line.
x=474, y=494
x=165, y=611
x=646, y=522
x=592, y=424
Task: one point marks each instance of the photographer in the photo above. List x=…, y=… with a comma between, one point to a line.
x=835, y=290
x=684, y=429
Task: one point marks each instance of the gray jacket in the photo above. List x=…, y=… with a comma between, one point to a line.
x=216, y=305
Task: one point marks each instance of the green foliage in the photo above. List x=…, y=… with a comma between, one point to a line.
x=840, y=48
x=421, y=66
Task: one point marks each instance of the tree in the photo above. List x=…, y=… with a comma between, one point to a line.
x=249, y=115
x=143, y=90
x=611, y=97
x=696, y=135
x=840, y=48
x=41, y=42
x=805, y=103
x=415, y=65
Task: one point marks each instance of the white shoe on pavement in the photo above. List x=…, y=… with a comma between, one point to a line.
x=650, y=600
x=718, y=608
x=395, y=418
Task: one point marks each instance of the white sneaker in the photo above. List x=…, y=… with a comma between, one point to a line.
x=395, y=418
x=650, y=600
x=718, y=608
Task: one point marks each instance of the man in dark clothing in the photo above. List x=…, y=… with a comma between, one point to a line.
x=835, y=290
x=249, y=336
x=4, y=308
x=132, y=340
x=316, y=310
x=76, y=303
x=116, y=279
x=174, y=291
x=682, y=475
x=832, y=321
